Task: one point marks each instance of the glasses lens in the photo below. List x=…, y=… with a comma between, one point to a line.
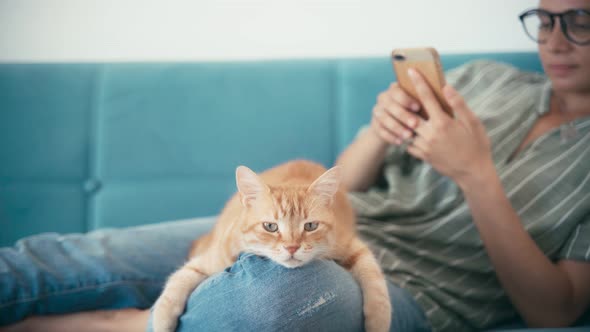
x=537, y=25
x=578, y=26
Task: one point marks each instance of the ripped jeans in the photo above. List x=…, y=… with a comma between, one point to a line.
x=110, y=269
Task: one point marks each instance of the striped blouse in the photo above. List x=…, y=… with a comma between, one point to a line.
x=421, y=229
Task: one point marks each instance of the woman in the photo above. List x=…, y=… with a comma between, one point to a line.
x=516, y=171
x=489, y=219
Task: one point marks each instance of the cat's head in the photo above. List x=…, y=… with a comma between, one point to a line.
x=291, y=224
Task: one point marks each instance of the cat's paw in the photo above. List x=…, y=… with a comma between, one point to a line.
x=166, y=313
x=378, y=316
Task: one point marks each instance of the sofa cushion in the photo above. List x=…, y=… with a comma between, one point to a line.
x=85, y=146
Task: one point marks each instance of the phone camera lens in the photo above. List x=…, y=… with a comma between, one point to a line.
x=399, y=57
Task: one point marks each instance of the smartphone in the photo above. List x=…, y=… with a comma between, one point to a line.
x=426, y=61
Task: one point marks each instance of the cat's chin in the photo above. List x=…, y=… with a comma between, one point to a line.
x=291, y=263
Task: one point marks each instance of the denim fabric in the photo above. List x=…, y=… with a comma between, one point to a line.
x=256, y=294
x=108, y=269
x=52, y=273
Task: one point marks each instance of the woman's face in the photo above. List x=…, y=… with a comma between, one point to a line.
x=565, y=63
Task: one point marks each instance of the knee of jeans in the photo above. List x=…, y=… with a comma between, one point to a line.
x=258, y=294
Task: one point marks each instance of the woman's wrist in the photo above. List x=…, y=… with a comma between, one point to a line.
x=478, y=178
x=374, y=140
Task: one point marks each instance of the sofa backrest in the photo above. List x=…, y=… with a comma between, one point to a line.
x=85, y=146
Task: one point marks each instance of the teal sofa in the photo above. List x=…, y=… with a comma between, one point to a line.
x=93, y=145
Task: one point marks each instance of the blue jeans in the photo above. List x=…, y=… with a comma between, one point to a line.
x=110, y=269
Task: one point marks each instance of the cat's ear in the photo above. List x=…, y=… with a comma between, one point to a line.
x=326, y=186
x=249, y=185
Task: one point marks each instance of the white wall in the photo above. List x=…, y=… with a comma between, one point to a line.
x=186, y=30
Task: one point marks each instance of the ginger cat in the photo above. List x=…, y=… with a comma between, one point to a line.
x=292, y=214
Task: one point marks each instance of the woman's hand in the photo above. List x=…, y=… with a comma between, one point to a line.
x=456, y=147
x=394, y=116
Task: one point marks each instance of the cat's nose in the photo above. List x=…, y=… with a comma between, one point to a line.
x=292, y=249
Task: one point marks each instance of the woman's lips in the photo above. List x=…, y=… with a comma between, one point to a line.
x=561, y=69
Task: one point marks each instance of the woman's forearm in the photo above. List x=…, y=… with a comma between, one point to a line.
x=362, y=160
x=540, y=290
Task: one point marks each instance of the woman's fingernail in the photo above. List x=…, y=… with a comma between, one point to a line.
x=407, y=134
x=411, y=122
x=414, y=106
x=412, y=73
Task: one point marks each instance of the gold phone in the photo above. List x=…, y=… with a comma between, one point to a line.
x=426, y=61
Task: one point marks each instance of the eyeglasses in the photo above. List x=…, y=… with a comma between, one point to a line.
x=575, y=25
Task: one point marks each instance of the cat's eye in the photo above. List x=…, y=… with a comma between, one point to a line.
x=311, y=226
x=270, y=226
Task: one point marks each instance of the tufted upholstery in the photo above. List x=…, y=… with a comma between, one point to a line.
x=84, y=146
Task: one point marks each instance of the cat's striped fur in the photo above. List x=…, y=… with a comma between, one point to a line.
x=292, y=214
